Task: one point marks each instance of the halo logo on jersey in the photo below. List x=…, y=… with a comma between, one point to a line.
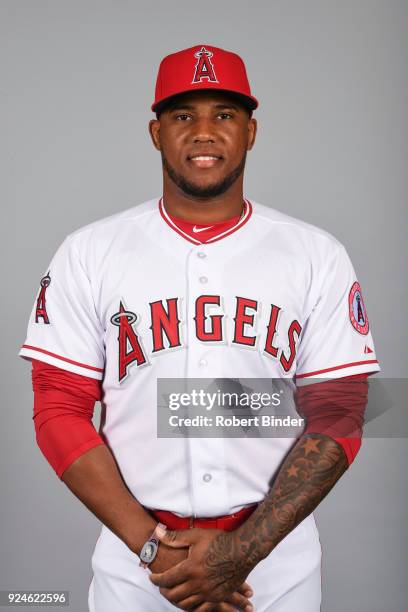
x=127, y=339
x=41, y=309
x=357, y=310
x=204, y=68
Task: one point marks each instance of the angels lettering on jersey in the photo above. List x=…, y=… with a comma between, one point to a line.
x=165, y=322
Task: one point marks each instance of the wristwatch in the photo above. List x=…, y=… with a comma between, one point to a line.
x=149, y=550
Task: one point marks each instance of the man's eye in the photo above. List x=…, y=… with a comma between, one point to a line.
x=225, y=115
x=182, y=117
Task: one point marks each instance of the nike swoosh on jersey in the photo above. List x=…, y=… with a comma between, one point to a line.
x=197, y=230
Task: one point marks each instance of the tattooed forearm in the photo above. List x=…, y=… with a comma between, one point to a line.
x=310, y=470
x=306, y=476
x=222, y=563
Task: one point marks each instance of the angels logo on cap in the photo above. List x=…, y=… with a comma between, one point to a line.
x=204, y=68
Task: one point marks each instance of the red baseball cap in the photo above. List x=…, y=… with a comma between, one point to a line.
x=202, y=67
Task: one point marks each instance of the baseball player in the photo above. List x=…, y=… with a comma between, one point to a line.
x=201, y=282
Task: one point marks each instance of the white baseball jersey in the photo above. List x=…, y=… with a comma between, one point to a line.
x=130, y=299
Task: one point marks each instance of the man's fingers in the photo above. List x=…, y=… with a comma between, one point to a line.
x=189, y=603
x=171, y=577
x=211, y=607
x=225, y=607
x=178, y=538
x=239, y=601
x=182, y=594
x=233, y=602
x=245, y=589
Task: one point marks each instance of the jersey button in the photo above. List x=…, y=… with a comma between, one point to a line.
x=202, y=363
x=203, y=279
x=201, y=255
x=207, y=477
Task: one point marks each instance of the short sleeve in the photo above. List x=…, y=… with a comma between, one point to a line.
x=64, y=329
x=336, y=338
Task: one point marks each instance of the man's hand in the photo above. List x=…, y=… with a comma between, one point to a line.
x=167, y=557
x=210, y=573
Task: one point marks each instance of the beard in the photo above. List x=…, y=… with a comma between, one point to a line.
x=209, y=191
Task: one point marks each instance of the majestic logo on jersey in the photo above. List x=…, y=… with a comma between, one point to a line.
x=165, y=333
x=204, y=68
x=41, y=309
x=357, y=310
x=130, y=350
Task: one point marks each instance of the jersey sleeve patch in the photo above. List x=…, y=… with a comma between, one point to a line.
x=41, y=315
x=357, y=310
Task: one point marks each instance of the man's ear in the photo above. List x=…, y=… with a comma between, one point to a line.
x=154, y=131
x=252, y=129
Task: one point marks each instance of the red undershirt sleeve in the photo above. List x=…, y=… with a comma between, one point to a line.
x=63, y=410
x=336, y=407
x=64, y=404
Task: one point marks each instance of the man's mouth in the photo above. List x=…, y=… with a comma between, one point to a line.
x=204, y=161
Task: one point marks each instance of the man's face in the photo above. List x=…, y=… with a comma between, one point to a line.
x=203, y=138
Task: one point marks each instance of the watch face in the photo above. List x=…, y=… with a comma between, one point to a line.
x=148, y=552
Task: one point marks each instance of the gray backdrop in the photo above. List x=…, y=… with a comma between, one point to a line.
x=76, y=83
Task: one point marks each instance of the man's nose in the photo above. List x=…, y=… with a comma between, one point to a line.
x=204, y=130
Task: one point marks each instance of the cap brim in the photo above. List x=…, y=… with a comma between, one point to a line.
x=249, y=102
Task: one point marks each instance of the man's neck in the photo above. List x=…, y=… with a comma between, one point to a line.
x=203, y=211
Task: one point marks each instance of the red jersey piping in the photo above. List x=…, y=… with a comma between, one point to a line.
x=339, y=367
x=244, y=219
x=77, y=363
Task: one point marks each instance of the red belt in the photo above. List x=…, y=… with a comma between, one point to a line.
x=228, y=522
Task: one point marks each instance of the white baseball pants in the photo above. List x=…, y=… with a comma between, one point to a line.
x=288, y=580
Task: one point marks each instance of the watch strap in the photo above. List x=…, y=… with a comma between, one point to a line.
x=149, y=550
